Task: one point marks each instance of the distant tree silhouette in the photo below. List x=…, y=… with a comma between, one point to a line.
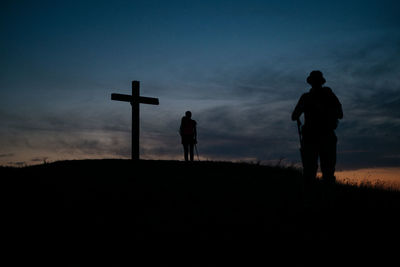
x=188, y=133
x=322, y=110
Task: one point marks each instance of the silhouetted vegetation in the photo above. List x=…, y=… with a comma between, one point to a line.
x=160, y=212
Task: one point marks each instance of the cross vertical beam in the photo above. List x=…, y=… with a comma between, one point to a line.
x=135, y=99
x=135, y=119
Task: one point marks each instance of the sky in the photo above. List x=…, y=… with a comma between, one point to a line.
x=238, y=66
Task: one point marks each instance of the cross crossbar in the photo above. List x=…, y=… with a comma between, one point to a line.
x=129, y=98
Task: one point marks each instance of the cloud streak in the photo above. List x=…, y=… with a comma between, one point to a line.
x=256, y=124
x=243, y=111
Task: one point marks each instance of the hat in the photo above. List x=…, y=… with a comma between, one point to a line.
x=316, y=77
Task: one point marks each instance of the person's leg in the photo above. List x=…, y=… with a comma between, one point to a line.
x=185, y=151
x=328, y=158
x=310, y=161
x=191, y=152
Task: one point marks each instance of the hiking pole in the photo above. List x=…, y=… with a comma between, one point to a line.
x=197, y=152
x=301, y=141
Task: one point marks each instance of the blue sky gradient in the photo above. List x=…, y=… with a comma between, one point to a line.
x=239, y=66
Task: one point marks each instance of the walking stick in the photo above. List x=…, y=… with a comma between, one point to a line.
x=197, y=152
x=301, y=141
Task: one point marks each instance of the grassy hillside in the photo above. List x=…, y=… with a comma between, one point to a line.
x=204, y=213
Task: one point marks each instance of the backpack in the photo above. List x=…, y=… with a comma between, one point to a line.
x=187, y=126
x=322, y=110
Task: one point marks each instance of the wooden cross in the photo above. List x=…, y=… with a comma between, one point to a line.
x=135, y=99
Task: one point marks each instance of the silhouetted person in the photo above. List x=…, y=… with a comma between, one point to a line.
x=322, y=110
x=188, y=134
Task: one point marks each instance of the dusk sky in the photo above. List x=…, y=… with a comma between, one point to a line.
x=239, y=66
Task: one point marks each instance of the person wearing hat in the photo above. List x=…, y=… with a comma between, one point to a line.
x=322, y=110
x=188, y=133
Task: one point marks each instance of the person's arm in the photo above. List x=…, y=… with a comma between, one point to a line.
x=338, y=107
x=299, y=109
x=195, y=131
x=180, y=127
x=340, y=110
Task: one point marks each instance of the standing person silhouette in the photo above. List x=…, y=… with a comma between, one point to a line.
x=322, y=110
x=188, y=134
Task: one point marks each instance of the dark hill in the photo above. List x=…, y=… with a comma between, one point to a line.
x=201, y=213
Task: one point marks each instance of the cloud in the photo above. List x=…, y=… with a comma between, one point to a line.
x=236, y=131
x=17, y=163
x=60, y=135
x=367, y=80
x=41, y=159
x=253, y=121
x=242, y=113
x=6, y=155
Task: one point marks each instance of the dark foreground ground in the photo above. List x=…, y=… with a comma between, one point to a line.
x=169, y=213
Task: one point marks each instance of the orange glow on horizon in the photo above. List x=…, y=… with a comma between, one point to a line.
x=388, y=177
